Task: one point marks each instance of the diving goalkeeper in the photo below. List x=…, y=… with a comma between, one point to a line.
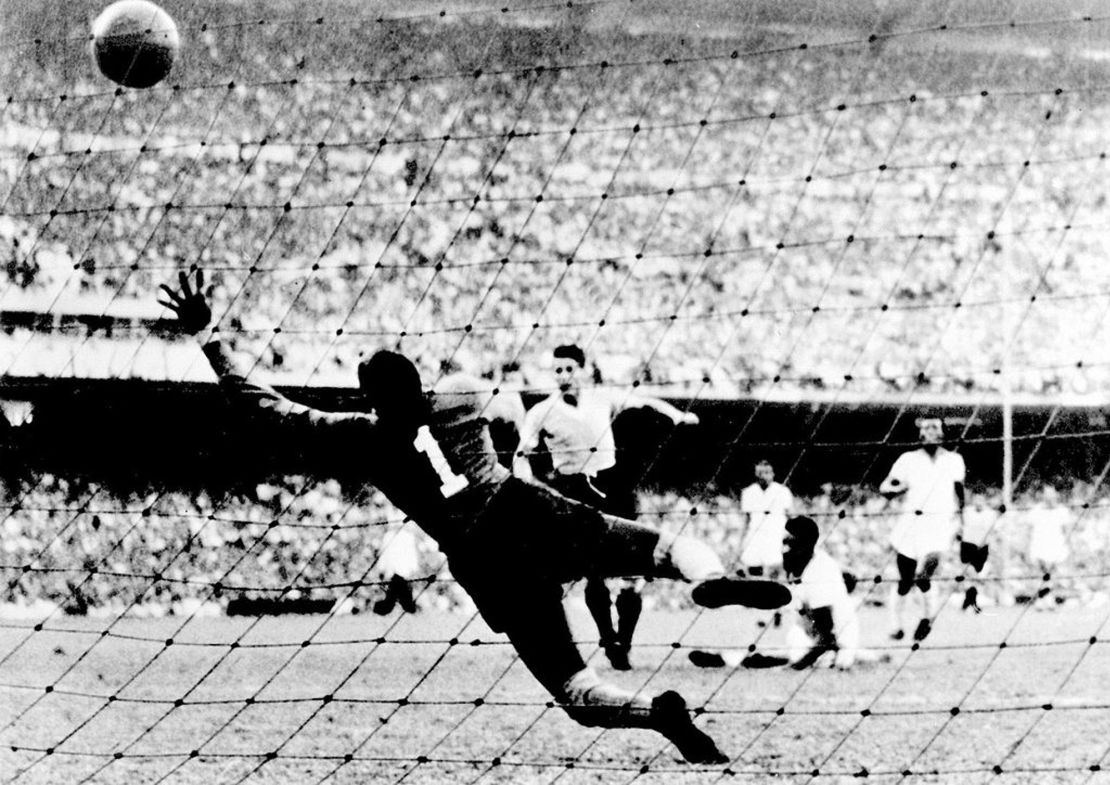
x=511, y=544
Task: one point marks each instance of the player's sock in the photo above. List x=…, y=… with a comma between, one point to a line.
x=672, y=719
x=402, y=590
x=629, y=606
x=718, y=592
x=924, y=627
x=971, y=600
x=599, y=604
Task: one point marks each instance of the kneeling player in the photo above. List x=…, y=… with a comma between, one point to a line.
x=825, y=625
x=827, y=620
x=510, y=543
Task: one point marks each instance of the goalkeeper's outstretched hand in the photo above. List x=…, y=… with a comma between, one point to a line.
x=189, y=303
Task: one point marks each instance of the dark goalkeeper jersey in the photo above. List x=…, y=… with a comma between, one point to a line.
x=442, y=476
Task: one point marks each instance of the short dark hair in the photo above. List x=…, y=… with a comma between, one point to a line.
x=571, y=352
x=804, y=529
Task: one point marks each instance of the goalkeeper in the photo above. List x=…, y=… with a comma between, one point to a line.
x=510, y=543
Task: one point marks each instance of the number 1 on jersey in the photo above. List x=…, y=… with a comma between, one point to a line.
x=450, y=483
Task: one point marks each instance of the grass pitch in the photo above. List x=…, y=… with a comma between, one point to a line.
x=438, y=698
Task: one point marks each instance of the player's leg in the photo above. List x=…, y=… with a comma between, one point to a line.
x=974, y=557
x=385, y=605
x=930, y=598
x=626, y=549
x=798, y=642
x=599, y=602
x=907, y=572
x=620, y=501
x=629, y=606
x=543, y=640
x=402, y=590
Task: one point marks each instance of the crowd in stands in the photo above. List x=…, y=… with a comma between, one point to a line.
x=774, y=222
x=88, y=549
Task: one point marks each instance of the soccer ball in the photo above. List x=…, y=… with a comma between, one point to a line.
x=135, y=43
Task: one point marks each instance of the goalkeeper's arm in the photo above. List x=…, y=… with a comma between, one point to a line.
x=194, y=315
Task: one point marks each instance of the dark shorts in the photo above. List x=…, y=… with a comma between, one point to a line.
x=530, y=541
x=974, y=555
x=909, y=575
x=608, y=492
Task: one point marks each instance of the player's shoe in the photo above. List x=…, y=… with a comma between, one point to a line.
x=706, y=659
x=758, y=661
x=759, y=594
x=672, y=719
x=924, y=627
x=898, y=635
x=971, y=600
x=618, y=656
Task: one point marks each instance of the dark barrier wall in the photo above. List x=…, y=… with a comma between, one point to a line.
x=184, y=435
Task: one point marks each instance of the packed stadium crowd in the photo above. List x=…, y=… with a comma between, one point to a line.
x=90, y=550
x=657, y=212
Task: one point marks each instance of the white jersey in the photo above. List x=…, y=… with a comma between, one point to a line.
x=580, y=437
x=979, y=524
x=1048, y=542
x=767, y=510
x=821, y=585
x=400, y=553
x=927, y=523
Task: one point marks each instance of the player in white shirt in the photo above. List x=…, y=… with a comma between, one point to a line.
x=930, y=482
x=399, y=564
x=765, y=505
x=575, y=425
x=980, y=521
x=1048, y=542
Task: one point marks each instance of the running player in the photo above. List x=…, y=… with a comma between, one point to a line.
x=930, y=481
x=575, y=425
x=511, y=544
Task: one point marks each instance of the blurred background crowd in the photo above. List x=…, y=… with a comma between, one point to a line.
x=91, y=551
x=828, y=219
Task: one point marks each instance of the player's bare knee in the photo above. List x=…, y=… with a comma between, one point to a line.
x=678, y=556
x=924, y=585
